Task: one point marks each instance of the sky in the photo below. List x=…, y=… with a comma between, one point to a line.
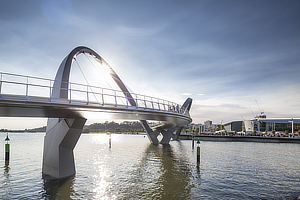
x=225, y=55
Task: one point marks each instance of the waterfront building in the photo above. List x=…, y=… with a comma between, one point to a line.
x=210, y=127
x=273, y=124
x=234, y=126
x=207, y=127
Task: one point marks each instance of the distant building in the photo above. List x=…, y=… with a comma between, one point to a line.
x=208, y=123
x=209, y=126
x=198, y=128
x=234, y=126
x=270, y=124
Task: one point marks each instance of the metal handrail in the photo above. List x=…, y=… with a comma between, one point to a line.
x=104, y=95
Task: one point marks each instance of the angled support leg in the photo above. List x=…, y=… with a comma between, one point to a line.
x=60, y=140
x=176, y=136
x=152, y=135
x=167, y=135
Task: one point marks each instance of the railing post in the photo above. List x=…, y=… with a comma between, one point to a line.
x=158, y=104
x=1, y=84
x=145, y=101
x=136, y=101
x=115, y=98
x=102, y=98
x=127, y=99
x=87, y=95
x=27, y=88
x=50, y=91
x=70, y=90
x=152, y=103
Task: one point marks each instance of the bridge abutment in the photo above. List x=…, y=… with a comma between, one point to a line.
x=60, y=140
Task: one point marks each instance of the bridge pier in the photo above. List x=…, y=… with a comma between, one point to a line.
x=176, y=135
x=167, y=135
x=152, y=135
x=60, y=140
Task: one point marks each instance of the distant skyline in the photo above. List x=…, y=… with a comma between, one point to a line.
x=222, y=54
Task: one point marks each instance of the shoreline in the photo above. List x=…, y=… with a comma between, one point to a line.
x=219, y=138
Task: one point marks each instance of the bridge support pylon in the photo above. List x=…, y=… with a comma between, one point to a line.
x=152, y=134
x=167, y=135
x=176, y=135
x=60, y=140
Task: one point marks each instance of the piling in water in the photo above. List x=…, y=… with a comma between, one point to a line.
x=198, y=152
x=192, y=142
x=7, y=149
x=109, y=140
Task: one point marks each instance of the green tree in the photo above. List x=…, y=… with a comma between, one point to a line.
x=286, y=132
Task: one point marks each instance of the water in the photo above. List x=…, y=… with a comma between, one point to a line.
x=135, y=169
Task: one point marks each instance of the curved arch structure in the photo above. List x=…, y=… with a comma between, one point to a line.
x=61, y=84
x=62, y=134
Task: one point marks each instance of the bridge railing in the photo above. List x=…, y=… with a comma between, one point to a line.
x=35, y=88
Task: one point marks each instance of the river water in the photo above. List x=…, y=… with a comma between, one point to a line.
x=134, y=169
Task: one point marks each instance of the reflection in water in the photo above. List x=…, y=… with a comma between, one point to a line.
x=58, y=188
x=161, y=174
x=6, y=181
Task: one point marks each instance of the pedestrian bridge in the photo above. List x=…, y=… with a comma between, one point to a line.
x=67, y=106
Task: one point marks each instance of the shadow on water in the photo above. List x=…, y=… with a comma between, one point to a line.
x=58, y=188
x=161, y=174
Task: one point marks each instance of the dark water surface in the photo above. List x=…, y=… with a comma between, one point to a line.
x=135, y=169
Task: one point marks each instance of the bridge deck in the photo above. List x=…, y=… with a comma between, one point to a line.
x=22, y=106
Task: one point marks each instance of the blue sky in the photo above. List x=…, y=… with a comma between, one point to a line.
x=223, y=54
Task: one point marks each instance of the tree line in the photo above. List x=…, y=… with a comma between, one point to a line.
x=133, y=127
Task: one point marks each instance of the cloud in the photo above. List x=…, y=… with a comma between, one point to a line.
x=186, y=94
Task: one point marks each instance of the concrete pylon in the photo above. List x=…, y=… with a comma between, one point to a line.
x=176, y=135
x=152, y=135
x=60, y=140
x=167, y=135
